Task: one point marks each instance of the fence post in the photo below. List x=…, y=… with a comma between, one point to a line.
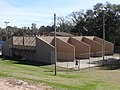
x=67, y=63
x=79, y=65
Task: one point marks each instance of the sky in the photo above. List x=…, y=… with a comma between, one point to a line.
x=22, y=13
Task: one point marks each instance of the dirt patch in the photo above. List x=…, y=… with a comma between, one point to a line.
x=13, y=84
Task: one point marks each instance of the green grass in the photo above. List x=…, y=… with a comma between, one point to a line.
x=88, y=79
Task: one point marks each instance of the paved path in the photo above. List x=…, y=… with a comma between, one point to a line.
x=84, y=63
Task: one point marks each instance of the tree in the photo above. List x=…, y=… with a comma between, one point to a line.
x=33, y=28
x=93, y=21
x=64, y=24
x=78, y=19
x=111, y=20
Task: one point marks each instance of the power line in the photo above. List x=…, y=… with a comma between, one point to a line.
x=44, y=20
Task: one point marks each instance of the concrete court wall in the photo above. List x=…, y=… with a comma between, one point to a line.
x=26, y=41
x=7, y=48
x=65, y=51
x=67, y=48
x=95, y=47
x=17, y=43
x=48, y=39
x=109, y=47
x=44, y=51
x=24, y=47
x=13, y=46
x=82, y=50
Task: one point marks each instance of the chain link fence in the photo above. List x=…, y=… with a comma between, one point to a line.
x=88, y=60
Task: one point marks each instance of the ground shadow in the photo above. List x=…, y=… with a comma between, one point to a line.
x=29, y=62
x=108, y=64
x=25, y=61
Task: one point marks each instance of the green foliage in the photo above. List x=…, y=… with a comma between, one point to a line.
x=89, y=79
x=93, y=21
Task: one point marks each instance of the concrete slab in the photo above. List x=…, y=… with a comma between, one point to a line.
x=85, y=63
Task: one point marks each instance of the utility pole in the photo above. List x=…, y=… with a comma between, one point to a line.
x=55, y=52
x=103, y=38
x=6, y=28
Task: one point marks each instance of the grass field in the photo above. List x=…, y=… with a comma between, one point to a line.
x=87, y=79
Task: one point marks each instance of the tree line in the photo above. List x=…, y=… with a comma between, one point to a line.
x=83, y=22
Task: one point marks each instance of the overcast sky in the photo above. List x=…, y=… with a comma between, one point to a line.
x=24, y=12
